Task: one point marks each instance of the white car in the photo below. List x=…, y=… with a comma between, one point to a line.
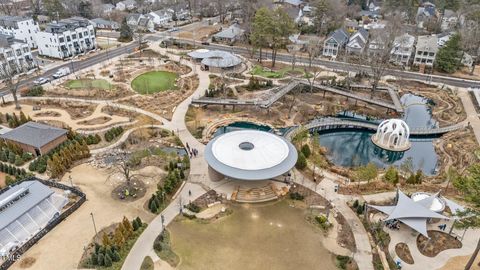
x=41, y=81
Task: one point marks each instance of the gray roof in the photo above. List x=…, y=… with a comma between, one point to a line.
x=340, y=35
x=231, y=32
x=411, y=213
x=427, y=43
x=102, y=21
x=37, y=192
x=34, y=134
x=221, y=59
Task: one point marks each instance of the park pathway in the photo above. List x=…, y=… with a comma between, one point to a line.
x=472, y=115
x=326, y=188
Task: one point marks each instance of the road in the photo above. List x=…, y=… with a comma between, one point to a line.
x=342, y=66
x=82, y=64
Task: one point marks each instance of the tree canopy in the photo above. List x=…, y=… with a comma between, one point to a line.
x=449, y=56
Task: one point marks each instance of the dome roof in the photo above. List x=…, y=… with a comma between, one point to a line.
x=250, y=155
x=392, y=134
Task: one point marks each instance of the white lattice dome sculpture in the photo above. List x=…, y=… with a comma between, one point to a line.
x=392, y=134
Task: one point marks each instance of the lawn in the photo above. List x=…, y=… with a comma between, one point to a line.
x=275, y=74
x=154, y=81
x=89, y=83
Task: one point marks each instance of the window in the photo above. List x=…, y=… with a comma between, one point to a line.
x=61, y=40
x=431, y=54
x=80, y=35
x=69, y=39
x=85, y=33
x=74, y=36
x=92, y=33
x=19, y=52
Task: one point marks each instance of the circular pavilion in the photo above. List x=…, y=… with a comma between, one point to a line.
x=216, y=61
x=250, y=155
x=393, y=135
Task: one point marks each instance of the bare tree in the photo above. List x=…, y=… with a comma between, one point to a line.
x=470, y=33
x=11, y=76
x=313, y=48
x=124, y=167
x=311, y=74
x=328, y=14
x=381, y=44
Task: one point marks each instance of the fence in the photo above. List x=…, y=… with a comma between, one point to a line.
x=54, y=222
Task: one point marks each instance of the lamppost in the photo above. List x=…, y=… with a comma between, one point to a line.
x=94, y=226
x=70, y=179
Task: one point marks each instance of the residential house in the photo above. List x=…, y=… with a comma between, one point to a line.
x=358, y=41
x=425, y=13
x=449, y=20
x=106, y=8
x=335, y=42
x=100, y=23
x=402, y=50
x=140, y=22
x=376, y=45
x=126, y=5
x=66, y=38
x=161, y=17
x=15, y=55
x=442, y=38
x=21, y=28
x=426, y=51
x=229, y=35
x=43, y=19
x=351, y=25
x=36, y=138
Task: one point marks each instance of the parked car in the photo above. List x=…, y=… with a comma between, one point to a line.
x=41, y=81
x=61, y=72
x=205, y=43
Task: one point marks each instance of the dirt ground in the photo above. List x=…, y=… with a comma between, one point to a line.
x=458, y=263
x=202, y=32
x=2, y=179
x=61, y=249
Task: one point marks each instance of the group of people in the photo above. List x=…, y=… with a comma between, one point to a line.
x=193, y=152
x=442, y=226
x=392, y=224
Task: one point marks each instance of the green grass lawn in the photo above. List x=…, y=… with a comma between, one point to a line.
x=275, y=74
x=154, y=81
x=89, y=83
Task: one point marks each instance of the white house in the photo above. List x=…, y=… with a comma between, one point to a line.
x=161, y=17
x=67, y=38
x=229, y=35
x=126, y=5
x=426, y=50
x=15, y=54
x=358, y=41
x=100, y=23
x=449, y=19
x=402, y=50
x=334, y=43
x=22, y=28
x=140, y=22
x=106, y=8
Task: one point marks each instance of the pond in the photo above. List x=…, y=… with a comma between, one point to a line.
x=351, y=148
x=255, y=236
x=240, y=126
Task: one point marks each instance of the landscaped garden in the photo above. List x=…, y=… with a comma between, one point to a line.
x=89, y=83
x=154, y=81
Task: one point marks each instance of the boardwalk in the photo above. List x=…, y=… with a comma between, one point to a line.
x=333, y=123
x=279, y=92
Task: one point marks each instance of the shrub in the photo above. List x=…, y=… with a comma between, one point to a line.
x=101, y=259
x=355, y=204
x=107, y=261
x=323, y=222
x=296, y=196
x=193, y=207
x=18, y=161
x=34, y=91
x=301, y=161
x=306, y=150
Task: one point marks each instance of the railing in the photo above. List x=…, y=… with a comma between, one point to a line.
x=334, y=123
x=12, y=257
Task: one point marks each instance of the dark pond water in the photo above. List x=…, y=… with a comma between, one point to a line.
x=239, y=126
x=351, y=148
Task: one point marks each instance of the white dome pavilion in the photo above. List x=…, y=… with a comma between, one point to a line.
x=392, y=134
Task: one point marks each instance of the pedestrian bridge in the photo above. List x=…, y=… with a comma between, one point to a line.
x=280, y=91
x=336, y=123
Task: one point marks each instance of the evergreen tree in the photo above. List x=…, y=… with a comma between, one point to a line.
x=23, y=119
x=101, y=259
x=116, y=256
x=106, y=240
x=94, y=259
x=153, y=207
x=306, y=150
x=139, y=222
x=85, y=9
x=301, y=161
x=449, y=56
x=126, y=33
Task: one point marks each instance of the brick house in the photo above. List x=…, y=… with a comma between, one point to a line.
x=36, y=138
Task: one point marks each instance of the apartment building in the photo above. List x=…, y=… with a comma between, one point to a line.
x=66, y=38
x=426, y=51
x=15, y=55
x=21, y=28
